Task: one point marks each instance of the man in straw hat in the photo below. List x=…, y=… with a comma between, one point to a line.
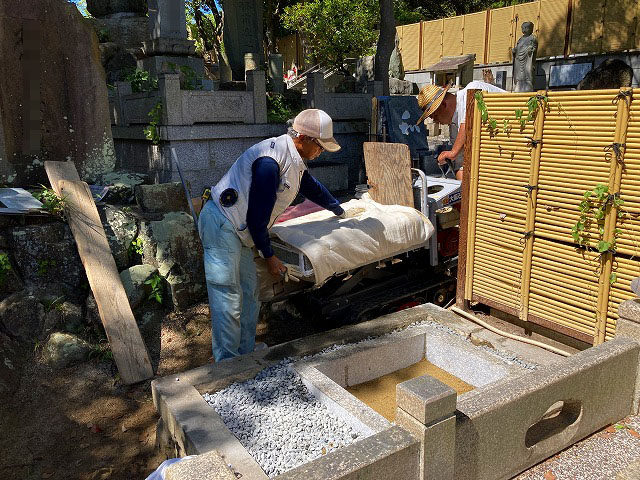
x=450, y=109
x=245, y=203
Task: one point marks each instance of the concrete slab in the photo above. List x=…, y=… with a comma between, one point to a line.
x=392, y=454
x=209, y=465
x=197, y=429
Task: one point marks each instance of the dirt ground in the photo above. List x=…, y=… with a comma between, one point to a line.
x=82, y=423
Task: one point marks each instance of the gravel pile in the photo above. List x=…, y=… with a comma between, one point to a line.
x=278, y=421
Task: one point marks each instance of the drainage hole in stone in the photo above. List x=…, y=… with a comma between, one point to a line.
x=556, y=419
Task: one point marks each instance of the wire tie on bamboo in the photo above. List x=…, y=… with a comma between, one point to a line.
x=617, y=148
x=533, y=143
x=525, y=236
x=626, y=95
x=530, y=188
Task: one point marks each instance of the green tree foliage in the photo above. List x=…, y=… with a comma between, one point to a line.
x=430, y=10
x=335, y=29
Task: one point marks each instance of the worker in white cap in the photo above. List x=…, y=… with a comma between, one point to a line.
x=244, y=204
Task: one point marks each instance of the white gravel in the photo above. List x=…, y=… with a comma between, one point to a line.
x=278, y=421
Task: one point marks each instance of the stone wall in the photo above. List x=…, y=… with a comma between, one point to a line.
x=206, y=152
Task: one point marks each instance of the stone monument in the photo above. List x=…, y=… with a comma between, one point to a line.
x=53, y=93
x=396, y=69
x=242, y=33
x=524, y=60
x=168, y=41
x=121, y=26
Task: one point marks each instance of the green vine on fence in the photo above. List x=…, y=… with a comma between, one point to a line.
x=151, y=131
x=593, y=208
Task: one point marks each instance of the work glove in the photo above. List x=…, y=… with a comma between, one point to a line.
x=351, y=212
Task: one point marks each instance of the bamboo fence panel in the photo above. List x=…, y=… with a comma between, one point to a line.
x=619, y=25
x=410, y=46
x=500, y=34
x=528, y=186
x=452, y=36
x=553, y=23
x=594, y=26
x=431, y=42
x=587, y=24
x=474, y=35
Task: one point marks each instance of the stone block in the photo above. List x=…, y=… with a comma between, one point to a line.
x=334, y=176
x=47, y=257
x=426, y=399
x=162, y=198
x=65, y=349
x=121, y=185
x=256, y=83
x=197, y=428
x=437, y=445
x=382, y=358
x=173, y=246
x=121, y=229
x=391, y=454
x=341, y=403
x=512, y=416
x=22, y=316
x=628, y=326
x=201, y=467
x=315, y=91
x=51, y=39
x=133, y=280
x=401, y=87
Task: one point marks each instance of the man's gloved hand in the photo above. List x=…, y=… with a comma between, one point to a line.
x=351, y=212
x=275, y=266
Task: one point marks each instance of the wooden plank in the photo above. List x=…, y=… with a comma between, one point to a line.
x=388, y=168
x=57, y=171
x=129, y=350
x=464, y=207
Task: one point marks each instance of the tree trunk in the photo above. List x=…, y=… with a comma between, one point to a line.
x=386, y=44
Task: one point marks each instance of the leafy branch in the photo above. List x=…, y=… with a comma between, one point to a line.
x=593, y=208
x=151, y=131
x=156, y=287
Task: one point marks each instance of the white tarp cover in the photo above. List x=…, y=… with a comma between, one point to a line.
x=335, y=245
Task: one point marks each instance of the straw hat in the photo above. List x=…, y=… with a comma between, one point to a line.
x=429, y=99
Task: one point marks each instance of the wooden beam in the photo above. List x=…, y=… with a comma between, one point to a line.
x=464, y=207
x=57, y=171
x=129, y=350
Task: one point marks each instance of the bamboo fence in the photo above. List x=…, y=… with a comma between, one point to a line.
x=526, y=184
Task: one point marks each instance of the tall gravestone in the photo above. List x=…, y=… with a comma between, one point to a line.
x=53, y=94
x=168, y=42
x=242, y=33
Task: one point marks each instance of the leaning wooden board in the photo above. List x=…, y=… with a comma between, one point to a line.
x=388, y=168
x=57, y=171
x=129, y=350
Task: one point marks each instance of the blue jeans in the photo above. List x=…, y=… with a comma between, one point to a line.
x=232, y=282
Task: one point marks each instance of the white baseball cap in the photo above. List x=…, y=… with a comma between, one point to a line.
x=317, y=124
